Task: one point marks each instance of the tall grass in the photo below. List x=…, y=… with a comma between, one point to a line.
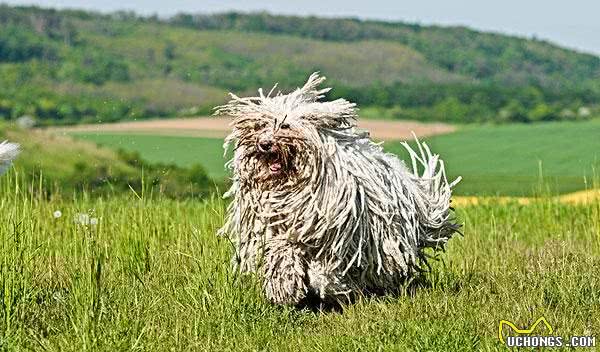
x=152, y=275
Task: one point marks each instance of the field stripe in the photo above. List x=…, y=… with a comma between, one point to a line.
x=219, y=127
x=580, y=197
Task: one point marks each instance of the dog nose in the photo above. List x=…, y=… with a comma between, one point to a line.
x=265, y=146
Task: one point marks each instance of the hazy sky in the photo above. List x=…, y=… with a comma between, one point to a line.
x=570, y=23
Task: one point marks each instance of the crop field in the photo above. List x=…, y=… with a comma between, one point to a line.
x=135, y=272
x=183, y=151
x=509, y=159
x=516, y=160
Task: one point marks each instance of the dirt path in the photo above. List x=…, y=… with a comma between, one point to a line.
x=218, y=127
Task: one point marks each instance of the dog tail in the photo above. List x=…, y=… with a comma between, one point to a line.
x=8, y=152
x=433, y=196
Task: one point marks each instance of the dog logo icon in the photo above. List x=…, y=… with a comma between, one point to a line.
x=522, y=331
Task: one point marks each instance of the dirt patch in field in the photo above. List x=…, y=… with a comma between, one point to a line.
x=219, y=127
x=580, y=197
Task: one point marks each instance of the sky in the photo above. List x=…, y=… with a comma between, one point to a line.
x=574, y=23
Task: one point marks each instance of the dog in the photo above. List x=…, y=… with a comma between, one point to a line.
x=318, y=209
x=8, y=152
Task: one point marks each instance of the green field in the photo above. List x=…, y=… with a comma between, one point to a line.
x=152, y=276
x=493, y=160
x=69, y=166
x=508, y=159
x=182, y=151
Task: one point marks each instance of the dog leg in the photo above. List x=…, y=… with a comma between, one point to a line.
x=327, y=284
x=285, y=272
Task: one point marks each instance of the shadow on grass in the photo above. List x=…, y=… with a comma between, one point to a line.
x=313, y=303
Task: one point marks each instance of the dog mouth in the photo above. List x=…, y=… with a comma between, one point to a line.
x=276, y=162
x=275, y=167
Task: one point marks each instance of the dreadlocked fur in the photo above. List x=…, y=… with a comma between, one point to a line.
x=8, y=151
x=318, y=208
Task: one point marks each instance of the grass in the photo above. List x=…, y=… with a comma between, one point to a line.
x=152, y=275
x=493, y=160
x=510, y=159
x=62, y=160
x=182, y=151
x=70, y=166
x=160, y=94
x=273, y=55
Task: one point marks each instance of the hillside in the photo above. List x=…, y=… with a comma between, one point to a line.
x=458, y=50
x=67, y=167
x=72, y=66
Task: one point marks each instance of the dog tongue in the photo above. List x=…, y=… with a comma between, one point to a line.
x=275, y=166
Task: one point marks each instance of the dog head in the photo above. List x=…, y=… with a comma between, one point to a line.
x=277, y=138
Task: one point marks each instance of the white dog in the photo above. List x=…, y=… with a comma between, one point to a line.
x=320, y=209
x=8, y=151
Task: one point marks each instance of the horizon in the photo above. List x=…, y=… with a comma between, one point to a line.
x=570, y=30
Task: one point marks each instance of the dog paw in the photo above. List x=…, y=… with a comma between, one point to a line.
x=285, y=290
x=324, y=282
x=285, y=273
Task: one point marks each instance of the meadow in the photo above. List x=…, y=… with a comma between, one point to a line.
x=140, y=272
x=492, y=159
x=114, y=248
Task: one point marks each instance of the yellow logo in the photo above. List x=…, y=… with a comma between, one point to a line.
x=522, y=331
